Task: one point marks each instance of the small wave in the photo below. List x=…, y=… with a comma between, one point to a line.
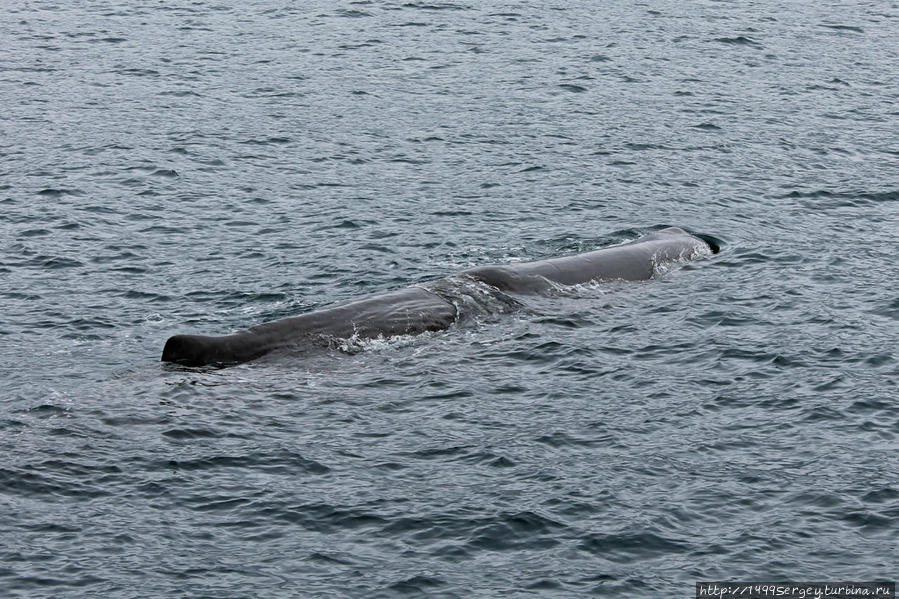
x=356, y=344
x=888, y=309
x=439, y=452
x=640, y=147
x=845, y=28
x=53, y=479
x=473, y=299
x=54, y=262
x=56, y=193
x=880, y=496
x=48, y=410
x=514, y=531
x=417, y=586
x=824, y=198
x=629, y=547
x=352, y=14
x=138, y=72
x=267, y=141
x=440, y=6
x=165, y=229
x=145, y=296
x=191, y=433
x=740, y=40
x=181, y=93
x=560, y=440
x=322, y=517
x=662, y=265
x=288, y=464
x=34, y=233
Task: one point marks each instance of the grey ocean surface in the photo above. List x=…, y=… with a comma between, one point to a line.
x=202, y=167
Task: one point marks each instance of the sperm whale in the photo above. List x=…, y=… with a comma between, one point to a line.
x=436, y=305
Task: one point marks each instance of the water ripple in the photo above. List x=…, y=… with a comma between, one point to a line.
x=204, y=166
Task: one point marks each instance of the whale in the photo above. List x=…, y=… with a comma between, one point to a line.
x=437, y=305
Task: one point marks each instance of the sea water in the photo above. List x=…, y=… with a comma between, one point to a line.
x=202, y=167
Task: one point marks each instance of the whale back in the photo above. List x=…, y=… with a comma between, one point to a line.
x=437, y=305
x=633, y=261
x=403, y=312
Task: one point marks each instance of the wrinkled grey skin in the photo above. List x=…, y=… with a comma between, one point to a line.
x=424, y=308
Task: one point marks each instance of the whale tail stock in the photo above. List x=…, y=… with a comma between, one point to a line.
x=432, y=306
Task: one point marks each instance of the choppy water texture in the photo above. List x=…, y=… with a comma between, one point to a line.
x=202, y=167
